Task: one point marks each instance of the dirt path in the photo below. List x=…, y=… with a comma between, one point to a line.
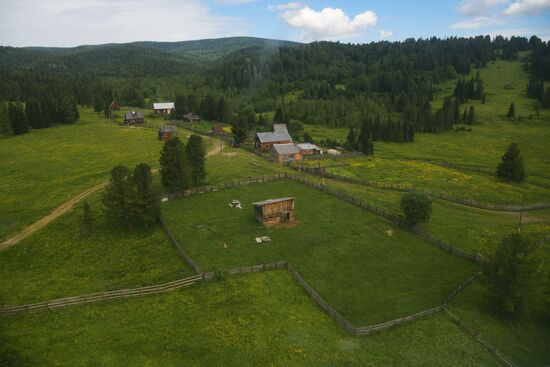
x=67, y=206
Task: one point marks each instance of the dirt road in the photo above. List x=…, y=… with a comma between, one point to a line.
x=67, y=206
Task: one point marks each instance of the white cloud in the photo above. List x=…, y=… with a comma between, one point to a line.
x=527, y=7
x=385, y=34
x=476, y=23
x=326, y=24
x=473, y=8
x=64, y=23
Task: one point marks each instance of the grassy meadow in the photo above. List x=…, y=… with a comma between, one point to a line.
x=356, y=262
x=58, y=262
x=256, y=319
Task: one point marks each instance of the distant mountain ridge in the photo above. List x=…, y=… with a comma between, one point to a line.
x=125, y=59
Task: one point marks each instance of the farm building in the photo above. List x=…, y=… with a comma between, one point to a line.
x=114, y=106
x=164, y=108
x=275, y=211
x=280, y=135
x=191, y=118
x=167, y=132
x=217, y=130
x=134, y=117
x=285, y=153
x=309, y=149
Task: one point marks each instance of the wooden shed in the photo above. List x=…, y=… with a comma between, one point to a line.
x=167, y=132
x=285, y=153
x=134, y=117
x=164, y=108
x=273, y=212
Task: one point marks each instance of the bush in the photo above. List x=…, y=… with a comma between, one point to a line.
x=417, y=207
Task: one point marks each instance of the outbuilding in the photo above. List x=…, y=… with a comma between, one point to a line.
x=309, y=149
x=274, y=212
x=134, y=117
x=280, y=135
x=164, y=108
x=285, y=153
x=167, y=132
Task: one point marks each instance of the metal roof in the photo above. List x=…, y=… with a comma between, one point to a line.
x=271, y=201
x=280, y=129
x=307, y=146
x=163, y=106
x=130, y=115
x=273, y=137
x=286, y=148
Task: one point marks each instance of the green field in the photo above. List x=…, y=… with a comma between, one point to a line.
x=56, y=262
x=249, y=320
x=525, y=340
x=357, y=262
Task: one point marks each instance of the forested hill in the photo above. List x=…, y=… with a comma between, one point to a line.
x=217, y=48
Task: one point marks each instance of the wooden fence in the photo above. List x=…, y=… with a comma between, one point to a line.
x=181, y=251
x=102, y=296
x=410, y=188
x=505, y=361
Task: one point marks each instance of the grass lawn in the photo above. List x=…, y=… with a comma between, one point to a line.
x=470, y=185
x=368, y=269
x=524, y=340
x=474, y=230
x=47, y=167
x=249, y=320
x=56, y=262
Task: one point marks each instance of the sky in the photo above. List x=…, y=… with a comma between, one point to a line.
x=66, y=23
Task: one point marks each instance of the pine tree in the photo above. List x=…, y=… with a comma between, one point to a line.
x=117, y=196
x=351, y=139
x=87, y=226
x=180, y=107
x=68, y=111
x=511, y=166
x=512, y=273
x=196, y=156
x=239, y=131
x=5, y=124
x=471, y=116
x=224, y=111
x=175, y=170
x=546, y=101
x=144, y=204
x=209, y=108
x=18, y=120
x=33, y=113
x=511, y=110
x=279, y=116
x=363, y=143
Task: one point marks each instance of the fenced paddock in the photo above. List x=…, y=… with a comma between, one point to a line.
x=411, y=188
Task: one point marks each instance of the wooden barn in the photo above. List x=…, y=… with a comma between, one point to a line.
x=280, y=135
x=134, y=117
x=164, y=108
x=309, y=149
x=167, y=132
x=285, y=153
x=274, y=212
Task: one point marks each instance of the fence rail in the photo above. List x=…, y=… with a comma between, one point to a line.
x=102, y=296
x=409, y=188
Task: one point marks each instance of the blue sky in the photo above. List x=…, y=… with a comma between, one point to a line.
x=75, y=22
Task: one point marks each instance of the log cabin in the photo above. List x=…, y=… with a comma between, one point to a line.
x=274, y=212
x=164, y=108
x=167, y=132
x=285, y=153
x=279, y=135
x=134, y=117
x=309, y=149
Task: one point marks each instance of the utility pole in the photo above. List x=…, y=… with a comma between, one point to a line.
x=521, y=212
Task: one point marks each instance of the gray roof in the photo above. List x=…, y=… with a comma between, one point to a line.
x=280, y=129
x=167, y=128
x=307, y=146
x=286, y=148
x=271, y=201
x=273, y=137
x=130, y=115
x=163, y=106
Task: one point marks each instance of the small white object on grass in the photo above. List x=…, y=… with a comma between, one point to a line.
x=165, y=199
x=266, y=239
x=258, y=240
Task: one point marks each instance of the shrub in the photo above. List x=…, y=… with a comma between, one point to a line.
x=417, y=207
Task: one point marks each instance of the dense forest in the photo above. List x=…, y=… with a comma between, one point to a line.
x=386, y=87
